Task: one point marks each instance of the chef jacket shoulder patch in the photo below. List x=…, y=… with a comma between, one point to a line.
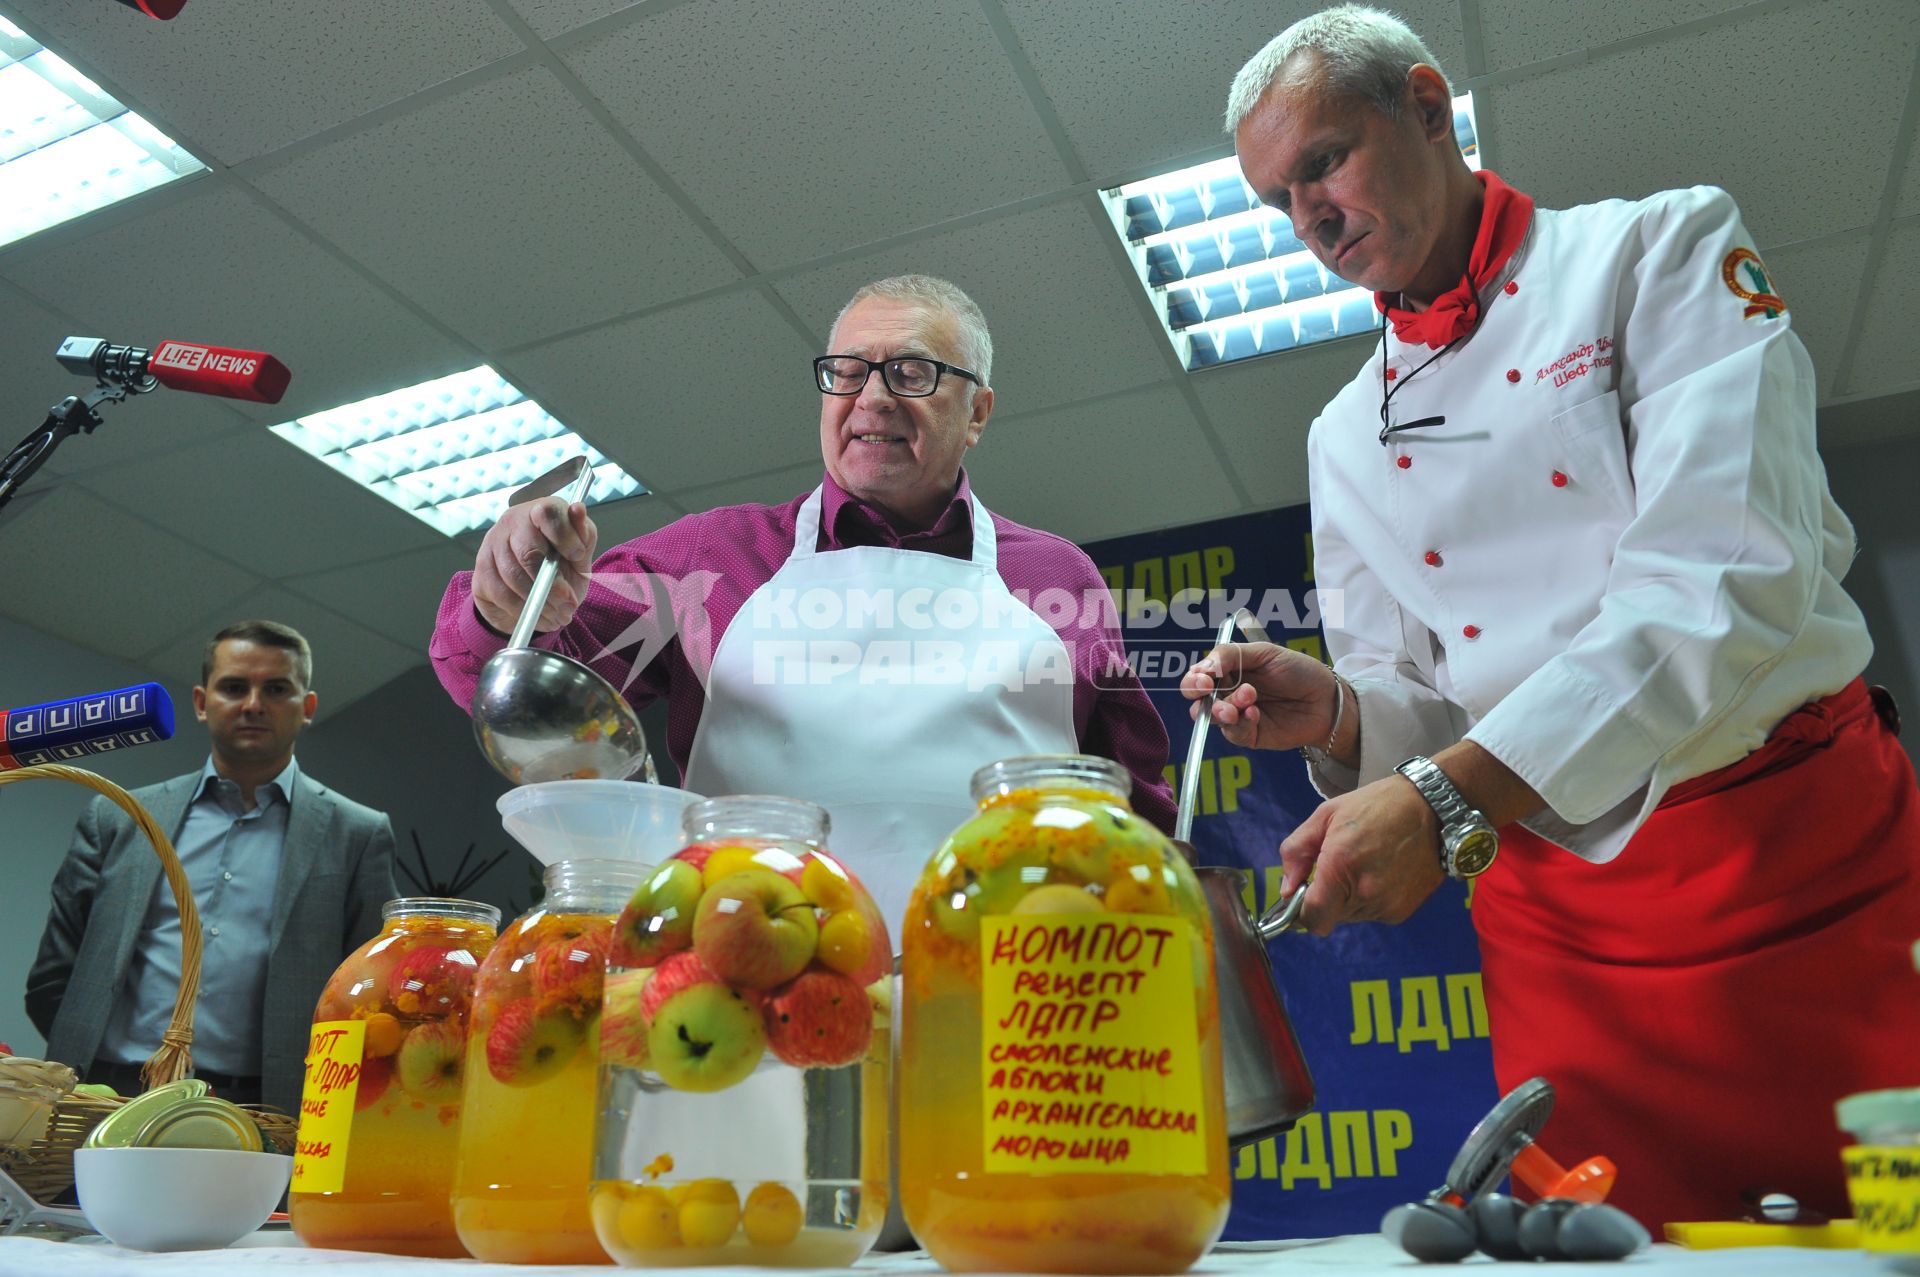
x=1747, y=277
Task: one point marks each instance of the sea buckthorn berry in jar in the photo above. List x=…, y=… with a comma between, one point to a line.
x=380, y=1108
x=533, y=1073
x=744, y=1051
x=1060, y=1074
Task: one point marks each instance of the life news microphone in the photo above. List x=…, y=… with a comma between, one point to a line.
x=182, y=365
x=76, y=729
x=161, y=9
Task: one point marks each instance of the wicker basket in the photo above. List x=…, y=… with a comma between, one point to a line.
x=45, y=1167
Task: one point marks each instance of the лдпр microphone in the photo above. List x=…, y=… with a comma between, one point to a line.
x=73, y=730
x=181, y=365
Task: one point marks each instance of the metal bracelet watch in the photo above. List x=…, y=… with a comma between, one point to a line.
x=1468, y=842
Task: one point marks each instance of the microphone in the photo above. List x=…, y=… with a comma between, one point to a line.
x=183, y=365
x=161, y=9
x=73, y=730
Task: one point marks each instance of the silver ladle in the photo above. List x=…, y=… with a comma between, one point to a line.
x=540, y=716
x=1283, y=913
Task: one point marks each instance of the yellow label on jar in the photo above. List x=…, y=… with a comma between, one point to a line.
x=1884, y=1183
x=1090, y=1059
x=326, y=1105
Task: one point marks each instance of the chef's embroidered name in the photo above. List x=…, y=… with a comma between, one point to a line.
x=1578, y=362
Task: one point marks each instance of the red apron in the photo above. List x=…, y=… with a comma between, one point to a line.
x=1701, y=1001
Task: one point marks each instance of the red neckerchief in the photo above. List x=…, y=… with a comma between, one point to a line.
x=1504, y=215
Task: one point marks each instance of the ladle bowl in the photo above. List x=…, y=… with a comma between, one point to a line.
x=538, y=715
x=541, y=716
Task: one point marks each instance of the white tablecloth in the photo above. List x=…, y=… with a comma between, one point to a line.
x=1370, y=1254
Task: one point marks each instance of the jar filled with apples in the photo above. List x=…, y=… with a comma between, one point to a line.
x=1060, y=1035
x=532, y=1073
x=744, y=1050
x=381, y=1104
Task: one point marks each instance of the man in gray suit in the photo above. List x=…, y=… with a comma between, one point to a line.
x=289, y=878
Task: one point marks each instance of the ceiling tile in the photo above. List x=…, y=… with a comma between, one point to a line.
x=455, y=205
x=397, y=597
x=1792, y=110
x=219, y=268
x=89, y=572
x=550, y=18
x=1822, y=285
x=1146, y=82
x=1879, y=420
x=1261, y=409
x=800, y=135
x=239, y=80
x=349, y=660
x=775, y=487
x=1126, y=464
x=685, y=396
x=1065, y=324
x=620, y=521
x=1888, y=355
x=259, y=501
x=1516, y=32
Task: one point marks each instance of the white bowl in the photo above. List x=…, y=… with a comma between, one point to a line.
x=178, y=1198
x=596, y=819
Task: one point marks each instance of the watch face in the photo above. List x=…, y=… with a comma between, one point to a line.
x=1474, y=851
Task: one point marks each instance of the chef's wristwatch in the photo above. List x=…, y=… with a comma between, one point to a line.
x=1468, y=843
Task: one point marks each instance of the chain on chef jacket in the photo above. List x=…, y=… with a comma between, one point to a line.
x=1386, y=394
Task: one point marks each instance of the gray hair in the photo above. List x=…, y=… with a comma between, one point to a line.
x=1363, y=52
x=976, y=344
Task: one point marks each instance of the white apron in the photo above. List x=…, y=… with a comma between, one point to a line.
x=874, y=682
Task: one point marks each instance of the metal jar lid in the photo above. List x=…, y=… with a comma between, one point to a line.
x=118, y=1128
x=1881, y=1111
x=205, y=1122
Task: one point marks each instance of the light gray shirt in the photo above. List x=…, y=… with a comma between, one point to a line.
x=232, y=860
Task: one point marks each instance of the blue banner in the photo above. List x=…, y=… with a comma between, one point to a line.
x=1391, y=1019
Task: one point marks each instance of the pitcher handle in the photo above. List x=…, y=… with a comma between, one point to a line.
x=1282, y=914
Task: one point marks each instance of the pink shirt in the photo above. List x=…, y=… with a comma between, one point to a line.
x=705, y=566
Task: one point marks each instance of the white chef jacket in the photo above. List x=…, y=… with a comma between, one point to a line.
x=1616, y=565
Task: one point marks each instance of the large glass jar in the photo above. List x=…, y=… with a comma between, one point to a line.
x=1060, y=1078
x=532, y=1073
x=744, y=1051
x=380, y=1110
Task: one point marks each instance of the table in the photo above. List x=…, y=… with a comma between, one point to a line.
x=1354, y=1256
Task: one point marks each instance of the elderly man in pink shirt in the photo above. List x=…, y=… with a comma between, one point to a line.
x=866, y=645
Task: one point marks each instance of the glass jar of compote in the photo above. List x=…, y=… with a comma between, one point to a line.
x=533, y=1071
x=380, y=1109
x=1060, y=1041
x=744, y=1051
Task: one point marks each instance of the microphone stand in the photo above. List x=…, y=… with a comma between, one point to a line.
x=76, y=414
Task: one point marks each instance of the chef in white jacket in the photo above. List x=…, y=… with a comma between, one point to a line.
x=1593, y=644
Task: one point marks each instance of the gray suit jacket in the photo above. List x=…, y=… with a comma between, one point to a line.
x=336, y=871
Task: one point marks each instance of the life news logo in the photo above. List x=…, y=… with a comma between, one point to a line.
x=177, y=354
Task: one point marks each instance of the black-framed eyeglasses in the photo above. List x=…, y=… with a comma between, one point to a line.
x=912, y=378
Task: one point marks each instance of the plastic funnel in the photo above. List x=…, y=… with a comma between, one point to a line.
x=596, y=820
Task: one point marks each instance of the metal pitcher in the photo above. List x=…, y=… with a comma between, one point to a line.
x=1267, y=1083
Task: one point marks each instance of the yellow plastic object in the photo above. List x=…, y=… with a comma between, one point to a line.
x=1839, y=1234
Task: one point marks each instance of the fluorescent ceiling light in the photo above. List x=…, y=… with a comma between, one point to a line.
x=66, y=147
x=452, y=450
x=1226, y=275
